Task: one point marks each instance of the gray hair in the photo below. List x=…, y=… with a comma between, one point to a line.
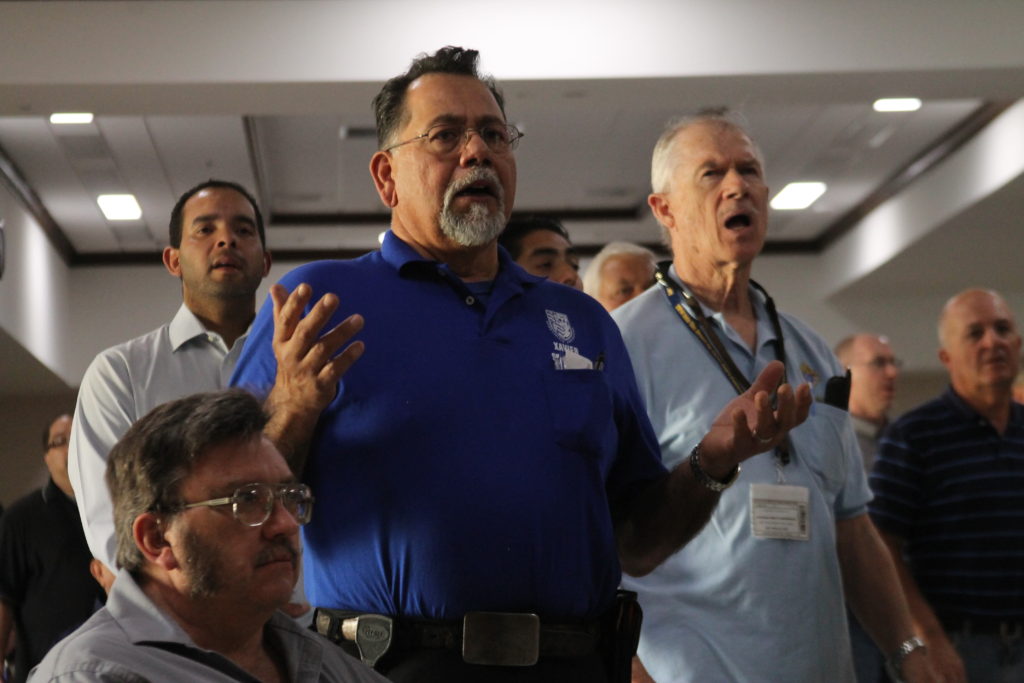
x=147, y=466
x=592, y=278
x=663, y=160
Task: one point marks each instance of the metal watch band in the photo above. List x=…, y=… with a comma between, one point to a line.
x=895, y=662
x=707, y=480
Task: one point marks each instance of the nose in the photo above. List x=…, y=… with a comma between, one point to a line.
x=565, y=274
x=474, y=150
x=734, y=183
x=226, y=236
x=280, y=521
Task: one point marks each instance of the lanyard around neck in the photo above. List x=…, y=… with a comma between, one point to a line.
x=680, y=298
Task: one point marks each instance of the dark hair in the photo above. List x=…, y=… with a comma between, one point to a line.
x=176, y=227
x=147, y=466
x=520, y=226
x=388, y=105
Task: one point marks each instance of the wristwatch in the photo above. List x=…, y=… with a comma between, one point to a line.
x=706, y=479
x=894, y=665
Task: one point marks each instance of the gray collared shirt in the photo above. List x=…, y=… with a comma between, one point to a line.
x=131, y=640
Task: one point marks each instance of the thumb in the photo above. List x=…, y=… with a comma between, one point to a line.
x=769, y=379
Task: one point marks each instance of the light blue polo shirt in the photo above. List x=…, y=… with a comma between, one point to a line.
x=728, y=606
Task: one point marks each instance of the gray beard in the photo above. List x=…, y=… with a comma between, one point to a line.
x=477, y=226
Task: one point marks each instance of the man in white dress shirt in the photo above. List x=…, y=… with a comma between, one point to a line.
x=218, y=251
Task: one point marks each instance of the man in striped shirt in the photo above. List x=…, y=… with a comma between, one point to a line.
x=949, y=487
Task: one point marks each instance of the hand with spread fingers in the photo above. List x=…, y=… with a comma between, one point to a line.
x=309, y=366
x=749, y=425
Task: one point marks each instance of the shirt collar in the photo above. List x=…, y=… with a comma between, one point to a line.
x=964, y=408
x=402, y=257
x=765, y=330
x=867, y=427
x=184, y=328
x=52, y=492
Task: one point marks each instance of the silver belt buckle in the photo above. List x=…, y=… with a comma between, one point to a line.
x=372, y=635
x=500, y=638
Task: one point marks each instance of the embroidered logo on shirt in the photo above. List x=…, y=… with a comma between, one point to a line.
x=810, y=376
x=559, y=325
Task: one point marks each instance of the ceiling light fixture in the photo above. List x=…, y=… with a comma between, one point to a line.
x=889, y=104
x=795, y=196
x=66, y=118
x=119, y=207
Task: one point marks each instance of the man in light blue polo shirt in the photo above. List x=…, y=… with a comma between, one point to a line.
x=757, y=595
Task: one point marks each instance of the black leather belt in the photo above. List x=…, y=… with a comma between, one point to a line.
x=489, y=638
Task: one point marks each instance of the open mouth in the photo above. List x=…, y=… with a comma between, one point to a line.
x=740, y=220
x=226, y=265
x=481, y=188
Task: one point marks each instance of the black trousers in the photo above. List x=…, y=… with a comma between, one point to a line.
x=446, y=666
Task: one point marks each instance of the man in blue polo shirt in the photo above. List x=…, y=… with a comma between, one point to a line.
x=948, y=500
x=488, y=452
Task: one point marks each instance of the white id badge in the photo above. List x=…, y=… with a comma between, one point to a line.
x=778, y=511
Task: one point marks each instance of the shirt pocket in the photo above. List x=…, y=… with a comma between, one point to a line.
x=823, y=448
x=580, y=411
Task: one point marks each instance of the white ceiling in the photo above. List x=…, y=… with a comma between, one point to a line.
x=258, y=92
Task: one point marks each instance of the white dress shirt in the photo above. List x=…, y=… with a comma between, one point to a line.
x=121, y=385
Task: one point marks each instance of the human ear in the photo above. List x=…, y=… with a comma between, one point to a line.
x=661, y=210
x=148, y=530
x=383, y=178
x=172, y=261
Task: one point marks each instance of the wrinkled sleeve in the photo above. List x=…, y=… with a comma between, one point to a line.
x=104, y=412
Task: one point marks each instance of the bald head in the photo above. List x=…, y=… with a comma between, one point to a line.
x=980, y=344
x=873, y=370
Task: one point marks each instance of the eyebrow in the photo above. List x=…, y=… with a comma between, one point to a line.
x=206, y=217
x=551, y=251
x=452, y=119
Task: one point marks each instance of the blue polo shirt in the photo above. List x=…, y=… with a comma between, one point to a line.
x=952, y=487
x=471, y=459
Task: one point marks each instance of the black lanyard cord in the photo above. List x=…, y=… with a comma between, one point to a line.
x=679, y=298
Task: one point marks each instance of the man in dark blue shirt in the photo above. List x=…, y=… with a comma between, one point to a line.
x=948, y=482
x=489, y=453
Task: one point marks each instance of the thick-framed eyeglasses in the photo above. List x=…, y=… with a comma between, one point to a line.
x=445, y=138
x=881, y=364
x=252, y=504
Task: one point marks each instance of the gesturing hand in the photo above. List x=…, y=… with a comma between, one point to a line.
x=748, y=424
x=308, y=365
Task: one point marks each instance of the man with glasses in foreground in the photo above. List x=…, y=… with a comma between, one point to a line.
x=484, y=466
x=207, y=516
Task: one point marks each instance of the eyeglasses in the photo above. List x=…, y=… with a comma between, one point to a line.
x=252, y=504
x=883, y=363
x=445, y=138
x=58, y=441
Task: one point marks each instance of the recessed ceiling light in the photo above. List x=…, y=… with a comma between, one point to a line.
x=897, y=104
x=119, y=207
x=70, y=118
x=798, y=196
